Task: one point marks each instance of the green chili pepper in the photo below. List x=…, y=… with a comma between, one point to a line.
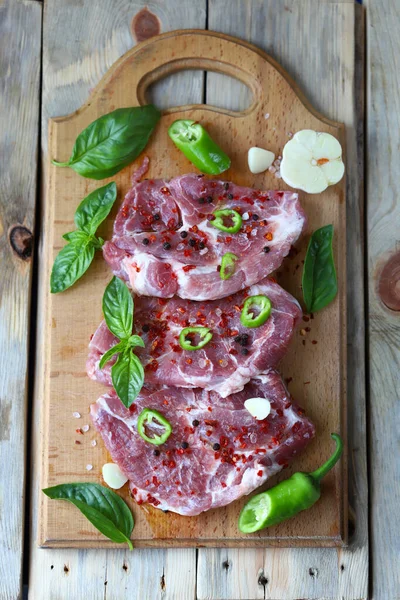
x=288, y=498
x=228, y=265
x=218, y=222
x=195, y=143
x=203, y=332
x=248, y=318
x=149, y=417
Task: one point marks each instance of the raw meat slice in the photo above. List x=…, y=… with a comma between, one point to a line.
x=226, y=363
x=164, y=244
x=229, y=452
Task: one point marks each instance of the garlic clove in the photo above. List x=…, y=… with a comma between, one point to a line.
x=113, y=476
x=259, y=160
x=259, y=408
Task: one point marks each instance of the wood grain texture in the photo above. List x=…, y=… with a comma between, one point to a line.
x=383, y=218
x=20, y=35
x=327, y=58
x=98, y=34
x=67, y=389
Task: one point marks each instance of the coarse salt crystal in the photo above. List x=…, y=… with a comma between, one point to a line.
x=202, y=363
x=180, y=246
x=89, y=467
x=245, y=216
x=223, y=362
x=254, y=232
x=218, y=312
x=76, y=415
x=85, y=428
x=278, y=175
x=266, y=116
x=203, y=251
x=93, y=443
x=272, y=169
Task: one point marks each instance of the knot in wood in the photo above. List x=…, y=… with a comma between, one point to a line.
x=21, y=241
x=389, y=283
x=145, y=25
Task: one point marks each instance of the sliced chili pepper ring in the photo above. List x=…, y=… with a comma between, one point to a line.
x=204, y=334
x=150, y=418
x=249, y=318
x=218, y=221
x=228, y=265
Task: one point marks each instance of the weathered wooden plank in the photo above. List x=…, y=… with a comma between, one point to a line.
x=20, y=36
x=75, y=57
x=332, y=30
x=383, y=218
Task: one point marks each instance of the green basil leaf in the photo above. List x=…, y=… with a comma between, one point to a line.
x=70, y=264
x=112, y=142
x=118, y=308
x=101, y=506
x=135, y=340
x=110, y=353
x=76, y=236
x=127, y=375
x=95, y=208
x=319, y=274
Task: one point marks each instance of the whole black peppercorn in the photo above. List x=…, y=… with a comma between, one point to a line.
x=202, y=245
x=216, y=446
x=244, y=351
x=156, y=452
x=145, y=328
x=266, y=249
x=230, y=196
x=202, y=200
x=167, y=246
x=255, y=217
x=209, y=199
x=226, y=185
x=183, y=234
x=184, y=445
x=195, y=423
x=156, y=217
x=192, y=242
x=145, y=241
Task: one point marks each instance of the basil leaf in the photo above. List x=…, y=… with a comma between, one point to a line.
x=319, y=274
x=112, y=142
x=70, y=264
x=101, y=506
x=135, y=340
x=95, y=207
x=76, y=236
x=110, y=353
x=127, y=375
x=118, y=308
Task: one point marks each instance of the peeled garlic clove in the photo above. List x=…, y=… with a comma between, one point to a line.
x=113, y=476
x=259, y=159
x=311, y=161
x=259, y=408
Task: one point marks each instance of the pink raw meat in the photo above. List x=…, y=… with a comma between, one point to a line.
x=216, y=453
x=233, y=356
x=164, y=244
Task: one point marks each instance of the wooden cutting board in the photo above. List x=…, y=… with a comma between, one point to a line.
x=316, y=363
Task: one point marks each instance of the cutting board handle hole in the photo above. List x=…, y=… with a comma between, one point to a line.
x=171, y=89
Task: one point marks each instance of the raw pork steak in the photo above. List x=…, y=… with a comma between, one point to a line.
x=164, y=244
x=229, y=453
x=226, y=363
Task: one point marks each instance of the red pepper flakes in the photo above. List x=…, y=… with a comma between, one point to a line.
x=209, y=409
x=173, y=361
x=307, y=382
x=228, y=239
x=279, y=412
x=188, y=361
x=223, y=484
x=261, y=451
x=152, y=238
x=152, y=366
x=263, y=223
x=314, y=342
x=139, y=502
x=223, y=441
x=259, y=473
x=181, y=310
x=169, y=452
x=188, y=409
x=308, y=329
x=217, y=455
x=147, y=482
x=133, y=408
x=166, y=402
x=288, y=380
x=268, y=236
x=306, y=319
x=187, y=268
x=233, y=351
x=172, y=464
x=209, y=432
x=77, y=442
x=243, y=445
x=79, y=430
x=165, y=190
x=155, y=480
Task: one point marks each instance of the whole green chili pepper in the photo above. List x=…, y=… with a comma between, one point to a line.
x=203, y=332
x=148, y=417
x=288, y=498
x=248, y=317
x=218, y=222
x=195, y=143
x=228, y=265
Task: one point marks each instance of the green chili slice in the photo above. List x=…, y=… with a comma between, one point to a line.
x=249, y=318
x=218, y=222
x=288, y=498
x=189, y=332
x=228, y=265
x=195, y=143
x=152, y=418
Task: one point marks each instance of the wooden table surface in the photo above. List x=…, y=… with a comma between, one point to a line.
x=345, y=58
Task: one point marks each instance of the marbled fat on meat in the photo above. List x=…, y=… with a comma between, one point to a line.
x=164, y=245
x=229, y=452
x=226, y=363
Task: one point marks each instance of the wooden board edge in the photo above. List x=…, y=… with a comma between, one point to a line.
x=200, y=33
